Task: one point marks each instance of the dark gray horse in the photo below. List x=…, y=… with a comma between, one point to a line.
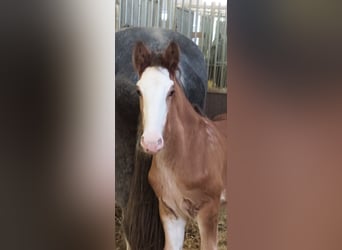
x=143, y=229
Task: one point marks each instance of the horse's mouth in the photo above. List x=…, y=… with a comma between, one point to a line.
x=150, y=151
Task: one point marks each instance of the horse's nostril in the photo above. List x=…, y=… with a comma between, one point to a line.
x=159, y=141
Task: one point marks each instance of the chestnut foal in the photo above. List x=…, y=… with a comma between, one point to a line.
x=188, y=169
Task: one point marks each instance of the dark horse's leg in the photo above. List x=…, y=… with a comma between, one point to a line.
x=142, y=223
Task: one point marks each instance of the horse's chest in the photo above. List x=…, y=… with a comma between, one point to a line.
x=170, y=191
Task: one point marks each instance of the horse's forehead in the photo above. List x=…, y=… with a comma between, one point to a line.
x=155, y=77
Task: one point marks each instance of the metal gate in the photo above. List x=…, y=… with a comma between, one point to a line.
x=203, y=21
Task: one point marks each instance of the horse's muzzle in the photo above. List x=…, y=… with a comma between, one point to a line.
x=151, y=143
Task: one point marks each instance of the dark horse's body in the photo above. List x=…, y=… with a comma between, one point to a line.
x=132, y=192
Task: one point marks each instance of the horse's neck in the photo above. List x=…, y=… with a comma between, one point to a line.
x=181, y=123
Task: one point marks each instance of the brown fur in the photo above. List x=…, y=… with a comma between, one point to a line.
x=220, y=117
x=220, y=121
x=188, y=175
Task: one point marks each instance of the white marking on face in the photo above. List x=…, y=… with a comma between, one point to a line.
x=154, y=86
x=174, y=228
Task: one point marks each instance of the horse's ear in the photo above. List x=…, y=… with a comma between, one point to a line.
x=141, y=57
x=171, y=58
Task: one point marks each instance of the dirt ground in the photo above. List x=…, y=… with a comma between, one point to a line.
x=192, y=238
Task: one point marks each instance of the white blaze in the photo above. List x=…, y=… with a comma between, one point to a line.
x=154, y=85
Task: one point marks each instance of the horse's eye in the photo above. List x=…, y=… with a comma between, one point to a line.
x=138, y=92
x=171, y=92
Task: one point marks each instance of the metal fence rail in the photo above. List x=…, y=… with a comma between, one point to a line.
x=205, y=24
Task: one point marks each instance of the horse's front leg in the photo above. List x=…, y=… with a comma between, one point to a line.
x=174, y=227
x=207, y=219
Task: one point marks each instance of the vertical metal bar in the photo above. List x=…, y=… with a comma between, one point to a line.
x=162, y=3
x=224, y=53
x=163, y=22
x=152, y=13
x=158, y=14
x=172, y=14
x=166, y=9
x=207, y=41
x=132, y=13
x=196, y=20
x=210, y=33
x=224, y=63
x=175, y=16
x=168, y=13
x=217, y=36
x=126, y=11
x=202, y=20
x=118, y=19
x=165, y=14
x=143, y=14
x=189, y=21
x=169, y=16
x=146, y=13
x=141, y=19
x=182, y=18
x=139, y=13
